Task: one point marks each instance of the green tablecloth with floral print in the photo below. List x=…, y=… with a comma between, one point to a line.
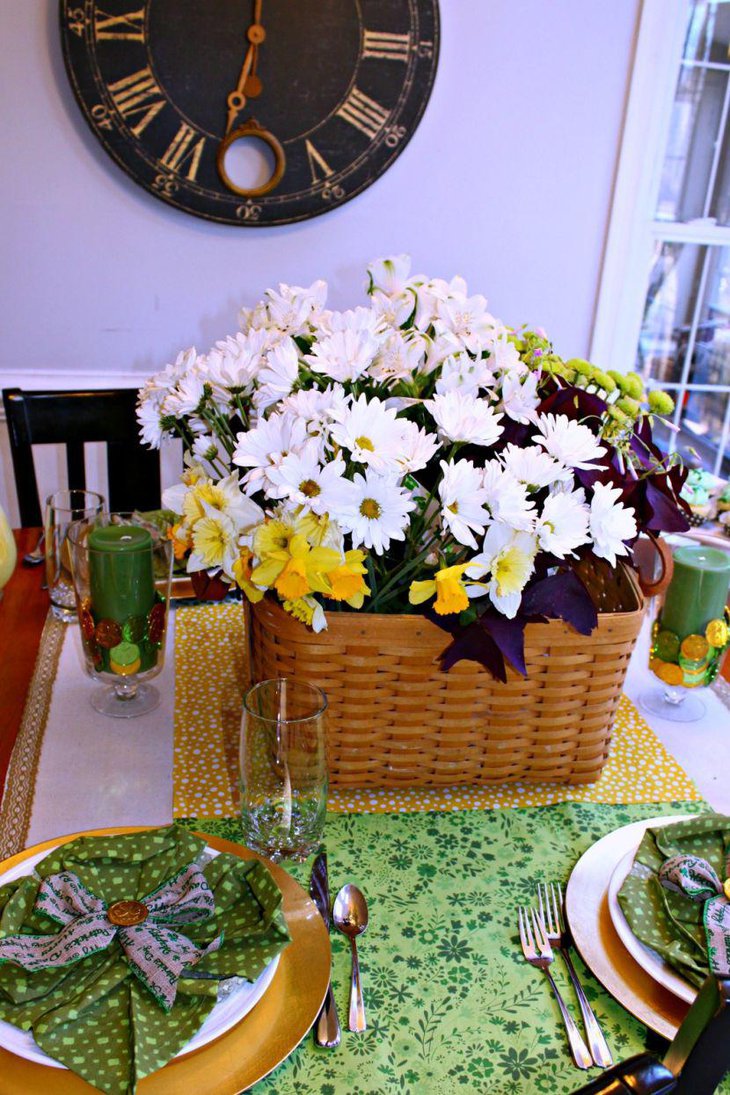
x=451, y=1004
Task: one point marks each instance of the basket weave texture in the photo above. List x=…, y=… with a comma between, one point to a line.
x=396, y=719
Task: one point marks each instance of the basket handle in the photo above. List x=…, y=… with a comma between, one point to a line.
x=646, y=553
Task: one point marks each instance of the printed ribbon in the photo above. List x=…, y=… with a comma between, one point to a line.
x=698, y=880
x=154, y=950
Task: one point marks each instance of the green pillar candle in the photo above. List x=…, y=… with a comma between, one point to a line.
x=121, y=576
x=698, y=590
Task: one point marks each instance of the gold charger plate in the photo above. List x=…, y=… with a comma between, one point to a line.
x=586, y=905
x=250, y=1050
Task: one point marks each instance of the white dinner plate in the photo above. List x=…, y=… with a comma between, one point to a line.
x=230, y=1009
x=586, y=905
x=647, y=958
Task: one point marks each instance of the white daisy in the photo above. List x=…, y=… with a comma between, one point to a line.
x=509, y=558
x=462, y=497
x=186, y=396
x=462, y=417
x=459, y=372
x=318, y=488
x=519, y=397
x=149, y=411
x=611, y=523
x=563, y=523
x=266, y=445
x=415, y=447
x=370, y=433
x=568, y=441
x=534, y=467
x=278, y=375
x=506, y=497
x=381, y=512
x=343, y=355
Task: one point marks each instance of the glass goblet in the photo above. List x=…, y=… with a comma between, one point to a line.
x=122, y=568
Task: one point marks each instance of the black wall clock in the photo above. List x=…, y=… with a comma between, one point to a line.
x=334, y=88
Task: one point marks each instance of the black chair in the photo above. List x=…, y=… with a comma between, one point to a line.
x=694, y=1064
x=74, y=419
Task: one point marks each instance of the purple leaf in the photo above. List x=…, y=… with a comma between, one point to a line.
x=561, y=597
x=475, y=645
x=509, y=635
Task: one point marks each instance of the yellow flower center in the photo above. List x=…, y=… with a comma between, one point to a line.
x=370, y=508
x=365, y=443
x=309, y=488
x=453, y=508
x=345, y=583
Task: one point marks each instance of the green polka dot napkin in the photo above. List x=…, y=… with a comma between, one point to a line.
x=98, y=1013
x=667, y=908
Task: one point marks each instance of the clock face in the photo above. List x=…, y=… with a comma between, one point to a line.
x=333, y=90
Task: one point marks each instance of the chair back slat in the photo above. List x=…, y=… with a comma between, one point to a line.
x=74, y=419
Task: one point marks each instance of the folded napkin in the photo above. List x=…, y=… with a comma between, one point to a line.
x=113, y=950
x=676, y=897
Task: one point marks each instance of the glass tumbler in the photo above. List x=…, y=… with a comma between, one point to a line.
x=63, y=507
x=283, y=768
x=122, y=567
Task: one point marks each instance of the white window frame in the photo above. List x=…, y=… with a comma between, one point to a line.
x=633, y=229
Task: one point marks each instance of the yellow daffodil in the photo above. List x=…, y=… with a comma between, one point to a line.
x=347, y=579
x=296, y=569
x=181, y=542
x=213, y=539
x=309, y=611
x=242, y=570
x=449, y=587
x=273, y=535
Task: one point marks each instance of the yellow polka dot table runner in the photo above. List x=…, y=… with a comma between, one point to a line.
x=211, y=677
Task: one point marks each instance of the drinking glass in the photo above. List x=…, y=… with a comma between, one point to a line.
x=283, y=768
x=63, y=507
x=122, y=568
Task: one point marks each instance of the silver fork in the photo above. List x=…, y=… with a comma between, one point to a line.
x=541, y=957
x=551, y=913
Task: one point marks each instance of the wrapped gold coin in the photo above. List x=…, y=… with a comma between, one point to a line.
x=694, y=648
x=670, y=674
x=108, y=633
x=717, y=633
x=666, y=645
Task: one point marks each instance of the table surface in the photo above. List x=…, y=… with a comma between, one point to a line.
x=23, y=611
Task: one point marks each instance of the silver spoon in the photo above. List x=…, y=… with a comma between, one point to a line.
x=38, y=554
x=350, y=914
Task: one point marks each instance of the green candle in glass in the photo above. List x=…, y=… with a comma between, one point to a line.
x=121, y=573
x=698, y=590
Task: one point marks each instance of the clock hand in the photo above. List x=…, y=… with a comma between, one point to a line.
x=236, y=100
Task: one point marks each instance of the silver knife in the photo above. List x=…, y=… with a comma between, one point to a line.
x=327, y=1027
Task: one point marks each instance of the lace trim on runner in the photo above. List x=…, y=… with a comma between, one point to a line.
x=17, y=802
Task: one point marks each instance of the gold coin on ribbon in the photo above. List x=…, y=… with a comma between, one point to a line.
x=125, y=914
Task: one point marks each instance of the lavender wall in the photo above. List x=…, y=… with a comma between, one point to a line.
x=507, y=181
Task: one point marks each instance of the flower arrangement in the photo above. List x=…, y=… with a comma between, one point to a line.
x=412, y=455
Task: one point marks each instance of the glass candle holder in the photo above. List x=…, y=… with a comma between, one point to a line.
x=64, y=508
x=283, y=768
x=122, y=568
x=690, y=634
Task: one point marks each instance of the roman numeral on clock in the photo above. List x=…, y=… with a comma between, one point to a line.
x=184, y=151
x=128, y=28
x=364, y=113
x=317, y=163
x=389, y=47
x=138, y=94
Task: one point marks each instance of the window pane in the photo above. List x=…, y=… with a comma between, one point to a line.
x=670, y=303
x=708, y=33
x=711, y=357
x=696, y=121
x=700, y=430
